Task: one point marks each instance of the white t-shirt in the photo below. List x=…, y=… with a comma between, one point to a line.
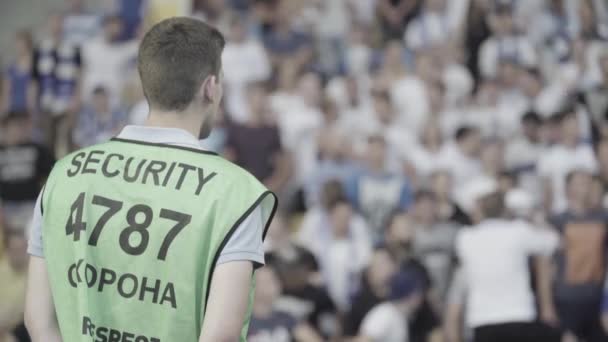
x=494, y=48
x=494, y=260
x=243, y=63
x=555, y=165
x=461, y=166
x=411, y=100
x=385, y=323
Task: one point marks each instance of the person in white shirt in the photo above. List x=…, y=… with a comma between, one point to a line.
x=567, y=155
x=430, y=28
x=387, y=322
x=461, y=156
x=504, y=44
x=494, y=258
x=106, y=61
x=245, y=61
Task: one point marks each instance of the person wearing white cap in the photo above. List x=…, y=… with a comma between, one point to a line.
x=494, y=260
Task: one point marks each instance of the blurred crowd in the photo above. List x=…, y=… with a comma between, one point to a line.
x=442, y=165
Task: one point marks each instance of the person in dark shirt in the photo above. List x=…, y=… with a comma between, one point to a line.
x=375, y=288
x=269, y=324
x=256, y=145
x=581, y=264
x=24, y=165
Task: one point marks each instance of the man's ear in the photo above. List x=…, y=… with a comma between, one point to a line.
x=210, y=88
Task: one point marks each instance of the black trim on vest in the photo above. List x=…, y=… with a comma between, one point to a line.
x=191, y=149
x=233, y=229
x=42, y=200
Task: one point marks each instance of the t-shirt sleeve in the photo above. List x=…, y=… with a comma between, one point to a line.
x=374, y=324
x=35, y=247
x=541, y=241
x=246, y=243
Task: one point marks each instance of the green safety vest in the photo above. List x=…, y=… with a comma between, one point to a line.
x=132, y=232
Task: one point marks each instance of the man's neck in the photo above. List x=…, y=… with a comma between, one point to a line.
x=172, y=120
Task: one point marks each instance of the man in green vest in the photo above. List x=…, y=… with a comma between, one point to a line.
x=147, y=237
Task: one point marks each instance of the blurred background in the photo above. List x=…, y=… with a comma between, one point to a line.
x=380, y=124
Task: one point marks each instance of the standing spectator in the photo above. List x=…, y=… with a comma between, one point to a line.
x=266, y=159
x=375, y=191
x=374, y=289
x=385, y=322
x=461, y=156
x=79, y=25
x=568, y=154
x=340, y=243
x=505, y=44
x=433, y=242
x=57, y=73
x=494, y=258
x=24, y=167
x=18, y=90
x=240, y=54
x=394, y=16
x=267, y=323
x=106, y=60
x=13, y=270
x=99, y=121
x=581, y=264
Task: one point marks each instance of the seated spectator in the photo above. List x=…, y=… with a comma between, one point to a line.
x=374, y=289
x=99, y=121
x=568, y=154
x=266, y=159
x=385, y=322
x=267, y=323
x=375, y=191
x=494, y=258
x=24, y=167
x=13, y=270
x=18, y=91
x=339, y=241
x=581, y=264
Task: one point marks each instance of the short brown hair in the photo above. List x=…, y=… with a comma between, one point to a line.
x=174, y=59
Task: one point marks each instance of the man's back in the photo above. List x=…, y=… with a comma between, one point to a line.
x=132, y=232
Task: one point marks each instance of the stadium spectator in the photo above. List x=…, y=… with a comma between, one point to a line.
x=567, y=155
x=269, y=324
x=24, y=167
x=18, y=88
x=494, y=258
x=106, y=60
x=394, y=16
x=447, y=209
x=57, y=74
x=581, y=263
x=79, y=24
x=13, y=267
x=376, y=191
x=266, y=159
x=98, y=121
x=461, y=156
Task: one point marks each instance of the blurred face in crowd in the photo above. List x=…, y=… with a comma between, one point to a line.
x=492, y=157
x=268, y=285
x=570, y=130
x=441, y=185
x=383, y=108
x=381, y=269
x=340, y=217
x=434, y=5
x=16, y=250
x=112, y=28
x=258, y=101
x=531, y=130
x=471, y=144
x=425, y=210
x=309, y=87
x=400, y=232
x=579, y=188
x=529, y=82
x=376, y=153
x=508, y=73
x=431, y=136
x=101, y=102
x=16, y=131
x=238, y=32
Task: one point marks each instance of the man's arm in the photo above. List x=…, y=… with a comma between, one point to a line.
x=40, y=317
x=228, y=302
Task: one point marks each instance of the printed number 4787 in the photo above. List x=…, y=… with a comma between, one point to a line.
x=75, y=224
